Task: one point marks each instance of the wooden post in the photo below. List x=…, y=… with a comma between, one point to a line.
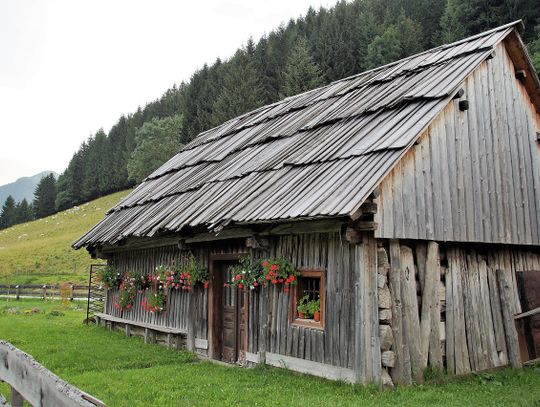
x=44, y=289
x=263, y=326
x=508, y=319
x=367, y=363
x=71, y=292
x=191, y=323
x=16, y=399
x=401, y=373
x=411, y=321
x=128, y=330
x=17, y=292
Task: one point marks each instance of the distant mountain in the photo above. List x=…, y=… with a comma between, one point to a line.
x=22, y=188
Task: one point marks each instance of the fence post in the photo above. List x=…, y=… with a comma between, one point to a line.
x=16, y=399
x=71, y=296
x=17, y=291
x=44, y=291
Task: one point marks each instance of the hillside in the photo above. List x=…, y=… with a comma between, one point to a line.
x=23, y=188
x=40, y=251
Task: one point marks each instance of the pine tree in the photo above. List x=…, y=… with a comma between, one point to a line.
x=8, y=214
x=301, y=73
x=45, y=197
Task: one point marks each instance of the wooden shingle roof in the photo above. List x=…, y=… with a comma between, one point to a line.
x=315, y=155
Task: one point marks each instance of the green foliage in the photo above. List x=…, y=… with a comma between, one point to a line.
x=45, y=197
x=301, y=72
x=384, y=48
x=247, y=274
x=308, y=307
x=157, y=141
x=109, y=276
x=8, y=214
x=242, y=90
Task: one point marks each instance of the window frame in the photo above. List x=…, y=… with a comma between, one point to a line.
x=309, y=323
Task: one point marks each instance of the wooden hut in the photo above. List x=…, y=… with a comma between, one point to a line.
x=406, y=197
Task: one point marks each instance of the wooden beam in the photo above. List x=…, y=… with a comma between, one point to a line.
x=508, y=320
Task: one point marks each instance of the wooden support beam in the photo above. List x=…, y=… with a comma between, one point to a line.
x=190, y=345
x=508, y=320
x=128, y=330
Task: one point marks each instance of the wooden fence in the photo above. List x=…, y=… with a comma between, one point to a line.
x=31, y=382
x=44, y=291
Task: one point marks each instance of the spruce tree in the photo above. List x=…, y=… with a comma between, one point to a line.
x=384, y=48
x=242, y=89
x=23, y=212
x=45, y=197
x=8, y=214
x=301, y=73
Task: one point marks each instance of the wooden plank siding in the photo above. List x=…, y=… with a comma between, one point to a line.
x=328, y=251
x=474, y=175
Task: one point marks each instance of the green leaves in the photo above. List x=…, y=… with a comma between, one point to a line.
x=157, y=141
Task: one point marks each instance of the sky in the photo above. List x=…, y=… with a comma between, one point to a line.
x=69, y=68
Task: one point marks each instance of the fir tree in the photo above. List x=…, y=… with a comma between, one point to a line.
x=8, y=214
x=23, y=212
x=45, y=197
x=242, y=89
x=301, y=73
x=384, y=48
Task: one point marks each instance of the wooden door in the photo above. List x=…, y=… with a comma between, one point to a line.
x=229, y=316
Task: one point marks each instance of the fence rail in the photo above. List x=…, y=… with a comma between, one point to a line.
x=29, y=381
x=44, y=291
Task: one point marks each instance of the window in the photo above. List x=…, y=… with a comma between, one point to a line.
x=309, y=293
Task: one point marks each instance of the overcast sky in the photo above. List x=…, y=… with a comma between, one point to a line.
x=68, y=68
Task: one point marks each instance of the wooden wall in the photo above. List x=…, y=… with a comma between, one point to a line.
x=334, y=345
x=450, y=310
x=475, y=174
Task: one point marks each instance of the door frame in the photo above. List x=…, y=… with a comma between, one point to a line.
x=215, y=303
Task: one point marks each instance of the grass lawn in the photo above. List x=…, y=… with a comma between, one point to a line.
x=127, y=372
x=39, y=252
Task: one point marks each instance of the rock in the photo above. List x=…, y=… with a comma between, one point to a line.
x=386, y=336
x=381, y=280
x=388, y=358
x=385, y=315
x=386, y=379
x=385, y=300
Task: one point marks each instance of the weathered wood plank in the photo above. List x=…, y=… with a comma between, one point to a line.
x=411, y=322
x=505, y=291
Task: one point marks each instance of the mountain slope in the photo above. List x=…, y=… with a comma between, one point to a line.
x=23, y=188
x=40, y=251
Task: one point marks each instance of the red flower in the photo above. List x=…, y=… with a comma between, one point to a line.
x=291, y=278
x=224, y=284
x=238, y=277
x=255, y=284
x=274, y=267
x=280, y=280
x=286, y=290
x=206, y=284
x=268, y=277
x=265, y=263
x=240, y=286
x=274, y=281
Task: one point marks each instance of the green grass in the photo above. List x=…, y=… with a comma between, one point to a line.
x=39, y=252
x=127, y=372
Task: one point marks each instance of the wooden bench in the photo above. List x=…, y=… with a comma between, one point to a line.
x=173, y=334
